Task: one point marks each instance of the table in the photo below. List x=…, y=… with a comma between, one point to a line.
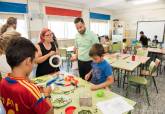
x=115, y=55
x=86, y=85
x=111, y=58
x=157, y=50
x=141, y=59
x=126, y=65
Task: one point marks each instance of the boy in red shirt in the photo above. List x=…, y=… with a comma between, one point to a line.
x=18, y=94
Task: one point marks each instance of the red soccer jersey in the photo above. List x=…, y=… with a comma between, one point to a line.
x=21, y=97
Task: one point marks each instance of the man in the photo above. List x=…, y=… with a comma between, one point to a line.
x=143, y=39
x=83, y=42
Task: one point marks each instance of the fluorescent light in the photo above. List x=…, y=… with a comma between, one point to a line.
x=138, y=2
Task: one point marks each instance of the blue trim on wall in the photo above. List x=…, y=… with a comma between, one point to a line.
x=99, y=16
x=13, y=7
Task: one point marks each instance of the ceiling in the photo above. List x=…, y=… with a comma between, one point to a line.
x=107, y=4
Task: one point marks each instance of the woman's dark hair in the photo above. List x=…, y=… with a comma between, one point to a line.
x=10, y=21
x=18, y=50
x=96, y=50
x=78, y=19
x=55, y=40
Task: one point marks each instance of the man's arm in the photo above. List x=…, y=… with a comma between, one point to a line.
x=75, y=57
x=95, y=38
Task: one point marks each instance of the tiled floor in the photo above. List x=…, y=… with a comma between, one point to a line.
x=157, y=101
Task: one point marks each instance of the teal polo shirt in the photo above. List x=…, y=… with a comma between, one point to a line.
x=84, y=43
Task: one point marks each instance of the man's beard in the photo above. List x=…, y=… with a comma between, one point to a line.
x=82, y=32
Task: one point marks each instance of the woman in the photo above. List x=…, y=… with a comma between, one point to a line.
x=10, y=25
x=4, y=41
x=46, y=49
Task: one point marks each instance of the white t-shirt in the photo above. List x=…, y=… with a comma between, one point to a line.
x=4, y=66
x=10, y=29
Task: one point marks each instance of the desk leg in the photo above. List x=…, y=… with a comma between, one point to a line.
x=118, y=77
x=129, y=112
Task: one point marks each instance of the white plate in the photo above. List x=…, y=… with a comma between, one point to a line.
x=60, y=100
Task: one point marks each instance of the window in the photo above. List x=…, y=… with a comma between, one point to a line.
x=63, y=28
x=100, y=27
x=21, y=23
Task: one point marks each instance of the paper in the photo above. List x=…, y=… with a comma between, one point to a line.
x=116, y=105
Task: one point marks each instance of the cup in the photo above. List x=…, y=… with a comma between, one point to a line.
x=133, y=57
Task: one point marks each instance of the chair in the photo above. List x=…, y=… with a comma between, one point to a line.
x=163, y=63
x=63, y=54
x=141, y=81
x=138, y=81
x=151, y=72
x=158, y=65
x=142, y=52
x=116, y=47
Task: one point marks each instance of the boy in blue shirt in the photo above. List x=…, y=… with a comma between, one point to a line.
x=101, y=70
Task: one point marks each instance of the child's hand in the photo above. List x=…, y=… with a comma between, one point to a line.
x=94, y=87
x=87, y=76
x=73, y=58
x=47, y=91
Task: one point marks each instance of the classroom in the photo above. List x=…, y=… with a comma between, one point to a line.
x=82, y=56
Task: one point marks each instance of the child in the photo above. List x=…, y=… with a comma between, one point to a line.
x=124, y=47
x=18, y=94
x=155, y=41
x=101, y=70
x=4, y=41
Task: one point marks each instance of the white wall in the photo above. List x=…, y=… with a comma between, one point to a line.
x=131, y=16
x=36, y=18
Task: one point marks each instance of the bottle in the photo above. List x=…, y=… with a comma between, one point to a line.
x=133, y=57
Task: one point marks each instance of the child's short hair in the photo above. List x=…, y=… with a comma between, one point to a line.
x=18, y=50
x=124, y=40
x=96, y=50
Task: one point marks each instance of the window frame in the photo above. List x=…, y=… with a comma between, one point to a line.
x=100, y=21
x=64, y=19
x=19, y=16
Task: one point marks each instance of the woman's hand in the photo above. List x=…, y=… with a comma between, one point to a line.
x=51, y=53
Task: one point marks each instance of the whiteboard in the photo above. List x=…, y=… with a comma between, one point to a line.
x=151, y=28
